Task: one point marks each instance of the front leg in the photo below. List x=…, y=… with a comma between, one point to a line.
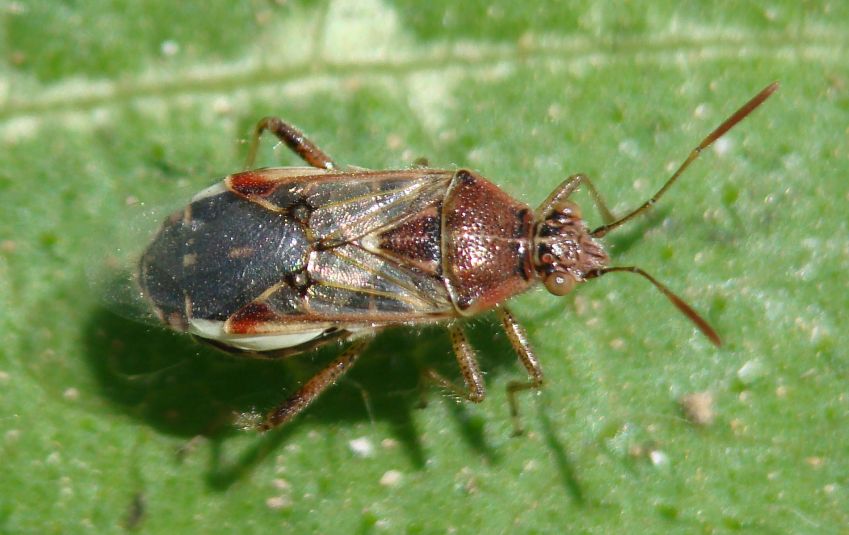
x=519, y=340
x=567, y=188
x=293, y=138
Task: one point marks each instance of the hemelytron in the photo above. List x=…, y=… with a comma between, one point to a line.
x=277, y=261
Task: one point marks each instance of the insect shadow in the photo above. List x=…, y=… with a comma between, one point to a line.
x=182, y=388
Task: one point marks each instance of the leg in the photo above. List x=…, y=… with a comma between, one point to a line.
x=293, y=138
x=475, y=390
x=564, y=190
x=313, y=388
x=519, y=340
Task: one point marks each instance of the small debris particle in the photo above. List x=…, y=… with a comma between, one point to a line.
x=530, y=466
x=12, y=435
x=722, y=145
x=278, y=502
x=810, y=372
x=131, y=200
x=751, y=371
x=169, y=48
x=698, y=408
x=394, y=141
x=8, y=246
x=361, y=447
x=629, y=147
x=71, y=394
x=54, y=458
x=468, y=482
x=281, y=484
x=658, y=458
x=222, y=106
x=391, y=478
x=830, y=488
x=636, y=451
x=4, y=376
x=389, y=443
x=617, y=344
x=781, y=391
x=737, y=426
x=815, y=462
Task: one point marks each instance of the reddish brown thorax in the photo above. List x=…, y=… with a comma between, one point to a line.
x=495, y=248
x=486, y=244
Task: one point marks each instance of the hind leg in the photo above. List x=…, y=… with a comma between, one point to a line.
x=293, y=138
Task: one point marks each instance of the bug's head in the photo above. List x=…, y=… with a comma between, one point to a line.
x=564, y=251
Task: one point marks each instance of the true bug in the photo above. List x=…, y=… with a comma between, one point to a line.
x=277, y=261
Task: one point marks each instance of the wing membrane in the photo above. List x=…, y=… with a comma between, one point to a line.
x=348, y=286
x=344, y=206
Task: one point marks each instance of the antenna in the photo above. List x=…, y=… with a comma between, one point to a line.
x=727, y=125
x=679, y=303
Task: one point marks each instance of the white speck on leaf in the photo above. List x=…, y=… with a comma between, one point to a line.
x=278, y=502
x=751, y=371
x=361, y=447
x=169, y=48
x=659, y=458
x=723, y=145
x=391, y=478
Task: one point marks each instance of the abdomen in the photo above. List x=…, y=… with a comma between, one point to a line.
x=217, y=255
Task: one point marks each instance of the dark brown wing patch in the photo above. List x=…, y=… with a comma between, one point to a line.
x=415, y=242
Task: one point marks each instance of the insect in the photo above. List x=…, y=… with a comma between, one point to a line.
x=277, y=261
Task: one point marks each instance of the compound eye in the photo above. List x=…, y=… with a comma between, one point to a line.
x=559, y=283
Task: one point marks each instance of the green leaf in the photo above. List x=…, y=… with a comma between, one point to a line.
x=112, y=110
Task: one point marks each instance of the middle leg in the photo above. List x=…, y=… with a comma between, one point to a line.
x=475, y=390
